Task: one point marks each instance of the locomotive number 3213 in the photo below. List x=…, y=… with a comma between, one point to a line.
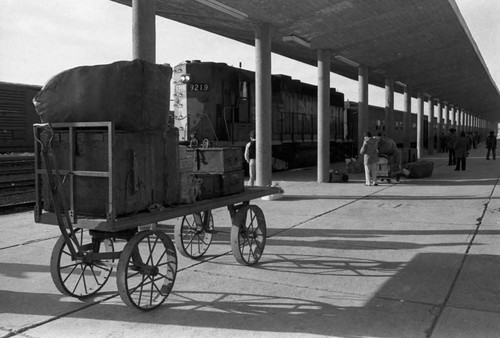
x=197, y=87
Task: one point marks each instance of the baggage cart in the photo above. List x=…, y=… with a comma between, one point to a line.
x=388, y=169
x=87, y=252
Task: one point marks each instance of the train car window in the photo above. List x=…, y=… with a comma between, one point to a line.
x=243, y=90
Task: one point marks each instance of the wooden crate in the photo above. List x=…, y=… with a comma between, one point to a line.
x=142, y=172
x=186, y=159
x=233, y=182
x=218, y=160
x=210, y=185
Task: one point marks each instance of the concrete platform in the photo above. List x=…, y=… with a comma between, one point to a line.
x=418, y=258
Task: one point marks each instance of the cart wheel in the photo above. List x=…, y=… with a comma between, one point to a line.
x=76, y=278
x=248, y=234
x=146, y=270
x=193, y=235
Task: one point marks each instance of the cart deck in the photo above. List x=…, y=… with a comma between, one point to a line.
x=146, y=217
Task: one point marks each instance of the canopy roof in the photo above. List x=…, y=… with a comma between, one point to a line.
x=423, y=43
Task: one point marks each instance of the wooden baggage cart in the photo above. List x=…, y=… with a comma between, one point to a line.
x=86, y=254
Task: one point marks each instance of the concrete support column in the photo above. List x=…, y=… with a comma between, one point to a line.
x=263, y=117
x=439, y=127
x=324, y=57
x=459, y=120
x=463, y=120
x=453, y=119
x=431, y=130
x=389, y=107
x=420, y=124
x=460, y=124
x=144, y=30
x=447, y=118
x=363, y=121
x=407, y=125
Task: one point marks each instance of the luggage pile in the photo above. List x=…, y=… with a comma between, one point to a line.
x=127, y=169
x=419, y=169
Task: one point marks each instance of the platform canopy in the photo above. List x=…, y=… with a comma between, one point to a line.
x=423, y=43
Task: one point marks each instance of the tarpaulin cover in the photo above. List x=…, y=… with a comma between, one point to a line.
x=420, y=169
x=135, y=95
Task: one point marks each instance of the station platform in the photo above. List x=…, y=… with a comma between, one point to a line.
x=415, y=258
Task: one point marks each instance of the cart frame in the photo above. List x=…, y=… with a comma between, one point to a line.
x=84, y=257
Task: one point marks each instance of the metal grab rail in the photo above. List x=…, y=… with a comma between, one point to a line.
x=56, y=188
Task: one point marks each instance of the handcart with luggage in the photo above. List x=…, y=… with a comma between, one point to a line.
x=389, y=161
x=93, y=245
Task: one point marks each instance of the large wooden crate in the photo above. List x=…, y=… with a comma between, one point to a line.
x=218, y=160
x=233, y=182
x=111, y=173
x=202, y=186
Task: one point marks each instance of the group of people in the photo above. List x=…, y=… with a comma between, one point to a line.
x=459, y=147
x=444, y=144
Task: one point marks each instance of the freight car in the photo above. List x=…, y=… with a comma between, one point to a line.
x=215, y=103
x=17, y=115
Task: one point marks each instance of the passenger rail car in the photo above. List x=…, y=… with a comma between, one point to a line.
x=377, y=124
x=215, y=103
x=17, y=115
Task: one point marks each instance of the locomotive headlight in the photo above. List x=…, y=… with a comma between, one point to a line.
x=185, y=78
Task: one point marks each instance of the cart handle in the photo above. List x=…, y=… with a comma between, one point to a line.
x=45, y=126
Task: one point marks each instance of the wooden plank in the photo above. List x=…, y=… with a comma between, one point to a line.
x=143, y=218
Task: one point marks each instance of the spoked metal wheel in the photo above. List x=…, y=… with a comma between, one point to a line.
x=74, y=276
x=248, y=234
x=194, y=234
x=146, y=270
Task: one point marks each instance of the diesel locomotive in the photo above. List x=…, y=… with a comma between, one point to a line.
x=215, y=104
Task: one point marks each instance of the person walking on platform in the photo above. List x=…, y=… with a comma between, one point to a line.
x=443, y=139
x=462, y=146
x=250, y=158
x=369, y=150
x=452, y=139
x=491, y=145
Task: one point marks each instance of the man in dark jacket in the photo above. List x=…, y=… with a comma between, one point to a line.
x=491, y=145
x=462, y=146
x=452, y=139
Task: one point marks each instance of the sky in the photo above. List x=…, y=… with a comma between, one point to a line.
x=41, y=38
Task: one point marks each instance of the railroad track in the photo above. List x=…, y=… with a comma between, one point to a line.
x=17, y=181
